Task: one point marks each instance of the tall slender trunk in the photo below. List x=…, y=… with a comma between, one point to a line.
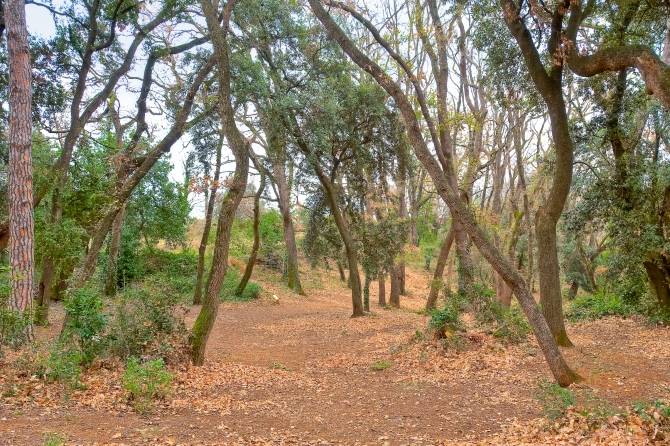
x=20, y=185
x=113, y=259
x=45, y=286
x=292, y=271
x=202, y=249
x=257, y=237
x=347, y=240
x=437, y=283
x=210, y=306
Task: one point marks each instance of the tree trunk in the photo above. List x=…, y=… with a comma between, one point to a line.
x=658, y=272
x=394, y=297
x=437, y=283
x=340, y=268
x=202, y=249
x=210, y=306
x=257, y=238
x=292, y=271
x=366, y=293
x=382, y=291
x=113, y=259
x=572, y=292
x=347, y=240
x=45, y=286
x=20, y=184
x=442, y=181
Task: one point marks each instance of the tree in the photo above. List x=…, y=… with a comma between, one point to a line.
x=559, y=368
x=20, y=187
x=237, y=185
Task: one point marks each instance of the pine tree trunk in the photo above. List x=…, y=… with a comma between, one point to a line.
x=20, y=184
x=437, y=283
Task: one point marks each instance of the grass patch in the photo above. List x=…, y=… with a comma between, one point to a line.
x=599, y=305
x=381, y=365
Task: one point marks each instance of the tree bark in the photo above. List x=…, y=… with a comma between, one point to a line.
x=20, y=184
x=292, y=271
x=560, y=370
x=549, y=85
x=239, y=146
x=437, y=283
x=202, y=249
x=113, y=259
x=382, y=291
x=394, y=296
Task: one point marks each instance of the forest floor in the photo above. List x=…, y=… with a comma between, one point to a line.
x=301, y=371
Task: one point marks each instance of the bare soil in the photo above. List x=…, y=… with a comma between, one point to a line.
x=303, y=372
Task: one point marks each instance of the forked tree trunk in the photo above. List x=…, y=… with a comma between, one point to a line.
x=658, y=272
x=20, y=185
x=560, y=370
x=257, y=238
x=210, y=306
x=437, y=283
x=202, y=249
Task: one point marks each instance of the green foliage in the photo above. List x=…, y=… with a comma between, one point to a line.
x=446, y=320
x=86, y=321
x=146, y=323
x=512, y=325
x=146, y=382
x=52, y=438
x=232, y=279
x=64, y=365
x=553, y=399
x=382, y=364
x=271, y=228
x=599, y=305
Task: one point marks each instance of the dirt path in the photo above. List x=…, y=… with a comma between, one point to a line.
x=300, y=372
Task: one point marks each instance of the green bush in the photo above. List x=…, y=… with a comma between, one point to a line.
x=64, y=365
x=599, y=305
x=444, y=321
x=512, y=326
x=176, y=270
x=13, y=324
x=146, y=383
x=230, y=283
x=553, y=399
x=86, y=321
x=146, y=323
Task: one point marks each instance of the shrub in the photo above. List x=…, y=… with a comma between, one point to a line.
x=146, y=383
x=232, y=279
x=146, y=323
x=599, y=305
x=554, y=399
x=512, y=326
x=64, y=365
x=444, y=321
x=86, y=321
x=13, y=324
